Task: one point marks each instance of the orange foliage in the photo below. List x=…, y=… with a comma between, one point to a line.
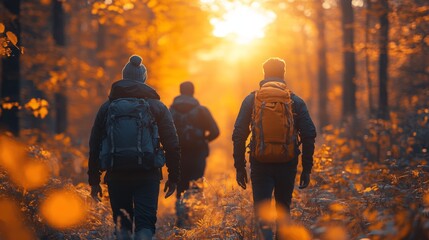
x=24, y=171
x=38, y=106
x=11, y=222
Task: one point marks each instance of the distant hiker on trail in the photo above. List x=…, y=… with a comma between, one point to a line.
x=196, y=128
x=126, y=142
x=279, y=122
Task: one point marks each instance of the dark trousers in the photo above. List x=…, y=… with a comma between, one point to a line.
x=269, y=178
x=134, y=201
x=192, y=166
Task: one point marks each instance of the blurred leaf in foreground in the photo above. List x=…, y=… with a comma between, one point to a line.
x=63, y=209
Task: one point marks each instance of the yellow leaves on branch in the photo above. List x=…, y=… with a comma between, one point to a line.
x=12, y=37
x=38, y=106
x=7, y=40
x=10, y=105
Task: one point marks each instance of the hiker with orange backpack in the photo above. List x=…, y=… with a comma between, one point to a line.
x=279, y=122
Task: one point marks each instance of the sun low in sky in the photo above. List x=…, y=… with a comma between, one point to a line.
x=240, y=21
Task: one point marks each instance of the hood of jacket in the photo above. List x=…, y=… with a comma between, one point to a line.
x=271, y=79
x=132, y=89
x=184, y=103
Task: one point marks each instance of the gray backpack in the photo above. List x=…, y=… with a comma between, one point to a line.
x=132, y=139
x=189, y=134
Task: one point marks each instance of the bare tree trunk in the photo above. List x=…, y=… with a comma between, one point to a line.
x=101, y=43
x=11, y=80
x=100, y=52
x=383, y=60
x=349, y=86
x=322, y=72
x=58, y=33
x=367, y=58
x=58, y=29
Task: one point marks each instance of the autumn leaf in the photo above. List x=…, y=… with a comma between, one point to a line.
x=12, y=37
x=2, y=27
x=39, y=107
x=9, y=105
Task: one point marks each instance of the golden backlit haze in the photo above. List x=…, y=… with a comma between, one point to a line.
x=239, y=21
x=228, y=69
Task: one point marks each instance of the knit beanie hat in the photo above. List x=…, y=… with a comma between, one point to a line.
x=134, y=70
x=187, y=88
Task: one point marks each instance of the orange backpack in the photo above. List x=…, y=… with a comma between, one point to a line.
x=273, y=134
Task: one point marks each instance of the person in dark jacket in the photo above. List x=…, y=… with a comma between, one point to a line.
x=273, y=177
x=196, y=122
x=134, y=194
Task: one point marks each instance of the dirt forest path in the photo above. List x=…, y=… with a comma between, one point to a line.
x=345, y=200
x=352, y=195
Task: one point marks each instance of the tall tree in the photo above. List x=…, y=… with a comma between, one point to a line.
x=367, y=55
x=383, y=59
x=349, y=61
x=322, y=71
x=58, y=33
x=10, y=84
x=101, y=43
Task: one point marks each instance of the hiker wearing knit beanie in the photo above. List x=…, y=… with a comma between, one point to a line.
x=134, y=70
x=122, y=144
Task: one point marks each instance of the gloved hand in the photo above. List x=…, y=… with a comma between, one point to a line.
x=169, y=187
x=304, y=180
x=242, y=178
x=96, y=193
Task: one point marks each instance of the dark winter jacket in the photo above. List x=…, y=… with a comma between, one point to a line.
x=202, y=120
x=167, y=130
x=303, y=124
